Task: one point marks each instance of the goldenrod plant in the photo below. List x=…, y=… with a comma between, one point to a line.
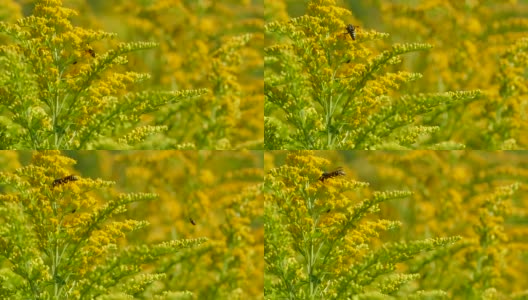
x=216, y=45
x=478, y=45
x=478, y=195
x=61, y=237
x=332, y=85
x=213, y=44
x=61, y=87
x=221, y=193
x=325, y=237
x=217, y=195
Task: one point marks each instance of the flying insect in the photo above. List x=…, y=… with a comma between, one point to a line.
x=327, y=175
x=64, y=180
x=351, y=29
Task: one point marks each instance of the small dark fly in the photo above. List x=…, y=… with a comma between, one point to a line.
x=64, y=180
x=327, y=175
x=351, y=29
x=192, y=221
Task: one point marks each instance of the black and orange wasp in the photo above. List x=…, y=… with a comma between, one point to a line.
x=327, y=175
x=64, y=180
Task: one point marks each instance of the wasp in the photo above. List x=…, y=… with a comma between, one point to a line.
x=327, y=175
x=64, y=180
x=91, y=51
x=351, y=29
x=192, y=221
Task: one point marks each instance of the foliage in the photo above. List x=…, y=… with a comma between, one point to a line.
x=73, y=88
x=60, y=239
x=464, y=88
x=222, y=52
x=480, y=196
x=329, y=89
x=323, y=237
x=478, y=44
x=221, y=192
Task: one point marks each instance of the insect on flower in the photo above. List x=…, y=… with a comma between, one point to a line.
x=327, y=175
x=192, y=221
x=64, y=180
x=351, y=29
x=91, y=51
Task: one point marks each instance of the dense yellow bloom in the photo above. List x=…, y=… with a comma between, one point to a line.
x=331, y=84
x=62, y=235
x=322, y=234
x=221, y=193
x=77, y=93
x=211, y=45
